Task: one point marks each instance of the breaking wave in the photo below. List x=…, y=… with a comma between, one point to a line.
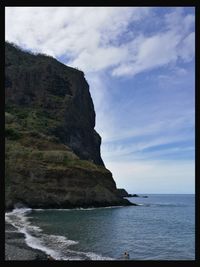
x=55, y=245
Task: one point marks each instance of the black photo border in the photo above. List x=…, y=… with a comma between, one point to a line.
x=141, y=3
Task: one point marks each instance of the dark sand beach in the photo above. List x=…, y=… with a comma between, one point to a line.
x=16, y=248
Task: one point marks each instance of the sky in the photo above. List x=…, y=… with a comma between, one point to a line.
x=139, y=63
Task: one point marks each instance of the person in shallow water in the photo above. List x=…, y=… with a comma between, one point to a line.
x=126, y=256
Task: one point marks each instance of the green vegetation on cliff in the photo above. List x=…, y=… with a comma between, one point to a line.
x=52, y=150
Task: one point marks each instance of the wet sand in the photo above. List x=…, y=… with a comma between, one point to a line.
x=16, y=248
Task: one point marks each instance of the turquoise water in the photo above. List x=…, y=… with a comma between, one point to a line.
x=161, y=228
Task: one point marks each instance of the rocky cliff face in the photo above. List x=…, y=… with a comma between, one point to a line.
x=122, y=192
x=52, y=150
x=59, y=93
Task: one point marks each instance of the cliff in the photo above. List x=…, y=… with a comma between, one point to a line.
x=52, y=154
x=122, y=192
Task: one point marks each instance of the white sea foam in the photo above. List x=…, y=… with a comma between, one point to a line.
x=92, y=208
x=94, y=256
x=91, y=255
x=54, y=245
x=34, y=235
x=112, y=207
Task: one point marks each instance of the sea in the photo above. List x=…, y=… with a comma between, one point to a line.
x=161, y=227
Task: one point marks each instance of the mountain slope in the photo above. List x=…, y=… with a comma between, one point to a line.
x=52, y=150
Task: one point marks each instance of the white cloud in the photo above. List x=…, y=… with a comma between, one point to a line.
x=90, y=36
x=158, y=50
x=154, y=51
x=90, y=60
x=114, y=151
x=177, y=21
x=162, y=48
x=154, y=176
x=84, y=33
x=187, y=49
x=164, y=123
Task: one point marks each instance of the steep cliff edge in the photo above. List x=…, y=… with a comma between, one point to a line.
x=52, y=150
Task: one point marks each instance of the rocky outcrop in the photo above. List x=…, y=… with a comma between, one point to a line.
x=52, y=150
x=122, y=192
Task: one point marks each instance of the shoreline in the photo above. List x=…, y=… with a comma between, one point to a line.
x=123, y=203
x=16, y=248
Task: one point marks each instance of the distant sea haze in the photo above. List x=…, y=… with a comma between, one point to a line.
x=162, y=227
